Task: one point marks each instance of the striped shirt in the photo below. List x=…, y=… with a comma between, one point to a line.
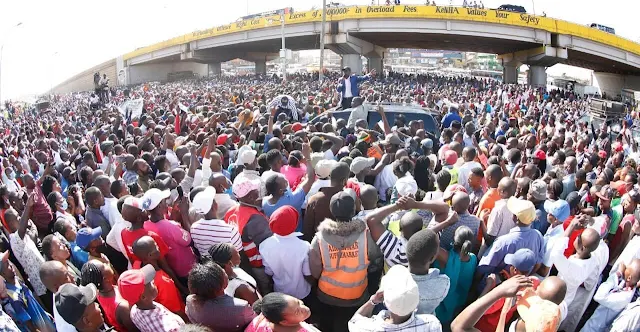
x=206, y=233
x=156, y=319
x=393, y=249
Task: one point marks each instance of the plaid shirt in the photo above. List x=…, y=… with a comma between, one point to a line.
x=157, y=319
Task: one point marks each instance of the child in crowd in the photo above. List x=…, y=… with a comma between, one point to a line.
x=137, y=286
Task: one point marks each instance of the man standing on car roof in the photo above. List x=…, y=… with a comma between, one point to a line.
x=348, y=86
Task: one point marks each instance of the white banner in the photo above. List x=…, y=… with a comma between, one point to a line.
x=134, y=106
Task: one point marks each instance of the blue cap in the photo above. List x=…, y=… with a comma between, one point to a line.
x=524, y=260
x=559, y=209
x=427, y=143
x=86, y=235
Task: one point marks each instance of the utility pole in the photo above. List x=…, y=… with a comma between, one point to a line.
x=284, y=48
x=322, y=33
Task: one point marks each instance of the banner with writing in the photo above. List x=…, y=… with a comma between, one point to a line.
x=133, y=106
x=405, y=12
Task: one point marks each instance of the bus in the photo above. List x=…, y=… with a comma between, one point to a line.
x=603, y=28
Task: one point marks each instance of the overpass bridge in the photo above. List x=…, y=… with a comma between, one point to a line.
x=518, y=38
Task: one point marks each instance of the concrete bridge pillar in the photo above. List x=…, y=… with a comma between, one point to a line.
x=215, y=68
x=537, y=77
x=510, y=72
x=352, y=61
x=261, y=67
x=375, y=63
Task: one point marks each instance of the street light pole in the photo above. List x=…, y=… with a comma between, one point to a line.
x=284, y=49
x=1, y=53
x=322, y=32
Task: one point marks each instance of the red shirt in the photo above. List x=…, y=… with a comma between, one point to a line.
x=168, y=294
x=572, y=238
x=129, y=237
x=489, y=320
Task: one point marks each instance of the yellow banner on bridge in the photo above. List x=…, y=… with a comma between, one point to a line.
x=403, y=12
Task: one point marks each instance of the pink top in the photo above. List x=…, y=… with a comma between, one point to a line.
x=180, y=256
x=294, y=175
x=261, y=324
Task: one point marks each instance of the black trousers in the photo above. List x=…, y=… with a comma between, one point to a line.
x=346, y=102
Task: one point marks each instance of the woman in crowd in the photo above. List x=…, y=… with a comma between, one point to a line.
x=115, y=308
x=241, y=284
x=279, y=312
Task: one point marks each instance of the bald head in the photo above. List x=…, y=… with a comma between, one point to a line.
x=493, y=174
x=53, y=274
x=507, y=187
x=590, y=239
x=410, y=223
x=368, y=196
x=143, y=246
x=219, y=181
x=552, y=289
x=460, y=202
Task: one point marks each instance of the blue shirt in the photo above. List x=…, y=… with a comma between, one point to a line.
x=450, y=117
x=23, y=307
x=78, y=256
x=540, y=223
x=517, y=238
x=294, y=199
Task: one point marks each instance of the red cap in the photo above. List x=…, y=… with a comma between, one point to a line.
x=539, y=154
x=451, y=190
x=450, y=157
x=222, y=139
x=617, y=147
x=284, y=220
x=132, y=282
x=602, y=154
x=296, y=127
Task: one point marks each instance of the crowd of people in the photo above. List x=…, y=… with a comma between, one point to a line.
x=246, y=204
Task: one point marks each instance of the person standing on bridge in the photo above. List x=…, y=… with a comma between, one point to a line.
x=348, y=86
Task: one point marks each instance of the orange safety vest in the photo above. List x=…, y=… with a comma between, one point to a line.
x=344, y=270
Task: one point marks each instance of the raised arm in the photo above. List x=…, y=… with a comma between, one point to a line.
x=311, y=175
x=375, y=218
x=26, y=215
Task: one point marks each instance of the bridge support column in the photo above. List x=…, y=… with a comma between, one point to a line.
x=537, y=77
x=375, y=63
x=215, y=68
x=352, y=61
x=510, y=73
x=261, y=67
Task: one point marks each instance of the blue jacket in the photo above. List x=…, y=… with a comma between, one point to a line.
x=355, y=79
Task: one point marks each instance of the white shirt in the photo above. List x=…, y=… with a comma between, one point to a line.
x=347, y=88
x=206, y=233
x=629, y=319
x=500, y=220
x=225, y=202
x=378, y=323
x=172, y=158
x=465, y=171
x=286, y=258
x=357, y=113
x=114, y=238
x=553, y=233
x=26, y=252
x=630, y=252
x=613, y=298
x=567, y=268
x=110, y=210
x=385, y=180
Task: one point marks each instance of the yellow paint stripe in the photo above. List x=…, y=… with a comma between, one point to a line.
x=404, y=12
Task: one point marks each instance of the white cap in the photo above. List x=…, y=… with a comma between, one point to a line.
x=134, y=202
x=243, y=186
x=246, y=155
x=401, y=295
x=406, y=185
x=359, y=164
x=323, y=167
x=203, y=200
x=153, y=197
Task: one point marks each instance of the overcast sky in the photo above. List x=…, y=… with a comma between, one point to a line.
x=58, y=39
